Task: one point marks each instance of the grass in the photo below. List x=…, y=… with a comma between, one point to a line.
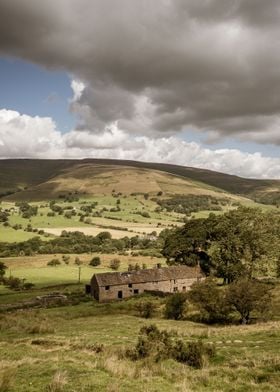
x=8, y=234
x=247, y=357
x=127, y=218
x=80, y=348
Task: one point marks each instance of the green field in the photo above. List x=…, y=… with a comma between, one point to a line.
x=128, y=217
x=40, y=346
x=57, y=347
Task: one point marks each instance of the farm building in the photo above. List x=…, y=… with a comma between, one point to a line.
x=118, y=285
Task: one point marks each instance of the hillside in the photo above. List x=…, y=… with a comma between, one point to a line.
x=40, y=179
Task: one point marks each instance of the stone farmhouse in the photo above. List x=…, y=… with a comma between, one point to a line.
x=112, y=286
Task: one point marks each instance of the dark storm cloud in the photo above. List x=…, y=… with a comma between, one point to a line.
x=159, y=66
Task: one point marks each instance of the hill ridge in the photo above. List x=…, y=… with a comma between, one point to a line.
x=16, y=174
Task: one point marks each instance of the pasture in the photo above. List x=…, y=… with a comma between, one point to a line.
x=121, y=215
x=81, y=348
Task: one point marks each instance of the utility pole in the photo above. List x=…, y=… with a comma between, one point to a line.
x=79, y=279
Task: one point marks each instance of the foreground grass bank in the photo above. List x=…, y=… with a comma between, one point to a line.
x=80, y=348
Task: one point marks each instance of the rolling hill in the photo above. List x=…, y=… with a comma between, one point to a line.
x=31, y=179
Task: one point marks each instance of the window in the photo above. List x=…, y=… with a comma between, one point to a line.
x=130, y=285
x=107, y=287
x=175, y=289
x=136, y=291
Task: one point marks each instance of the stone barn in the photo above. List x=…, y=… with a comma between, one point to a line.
x=112, y=286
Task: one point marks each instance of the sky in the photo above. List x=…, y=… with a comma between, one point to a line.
x=176, y=81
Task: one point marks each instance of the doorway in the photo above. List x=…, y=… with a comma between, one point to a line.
x=120, y=295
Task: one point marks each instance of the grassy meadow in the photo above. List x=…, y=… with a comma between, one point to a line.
x=81, y=346
x=127, y=221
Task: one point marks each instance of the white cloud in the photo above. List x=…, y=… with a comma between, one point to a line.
x=23, y=136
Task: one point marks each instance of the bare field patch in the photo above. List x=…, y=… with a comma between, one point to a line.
x=117, y=234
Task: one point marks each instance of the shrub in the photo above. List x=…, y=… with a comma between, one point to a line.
x=115, y=264
x=66, y=259
x=53, y=263
x=77, y=261
x=151, y=342
x=175, y=306
x=28, y=286
x=95, y=261
x=210, y=300
x=13, y=283
x=247, y=296
x=145, y=309
x=3, y=268
x=193, y=354
x=158, y=345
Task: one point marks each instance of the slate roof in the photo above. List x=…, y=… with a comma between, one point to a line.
x=148, y=275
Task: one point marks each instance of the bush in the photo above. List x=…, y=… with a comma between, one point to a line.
x=3, y=268
x=175, y=306
x=53, y=263
x=77, y=261
x=193, y=354
x=28, y=286
x=13, y=283
x=115, y=264
x=66, y=259
x=158, y=345
x=210, y=300
x=247, y=296
x=151, y=342
x=145, y=309
x=95, y=261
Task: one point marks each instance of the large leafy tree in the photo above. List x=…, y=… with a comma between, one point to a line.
x=188, y=245
x=235, y=244
x=242, y=240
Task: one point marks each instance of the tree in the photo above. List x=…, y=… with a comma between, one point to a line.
x=95, y=261
x=210, y=300
x=104, y=236
x=3, y=268
x=247, y=295
x=115, y=264
x=175, y=306
x=241, y=238
x=235, y=244
x=186, y=245
x=4, y=216
x=77, y=261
